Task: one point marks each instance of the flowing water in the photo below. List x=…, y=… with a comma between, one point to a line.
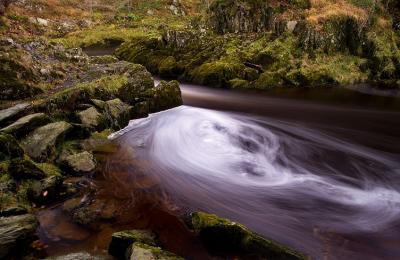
x=317, y=170
x=322, y=178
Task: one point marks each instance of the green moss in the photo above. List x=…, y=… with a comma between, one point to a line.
x=239, y=83
x=9, y=147
x=49, y=169
x=168, y=68
x=142, y=250
x=222, y=234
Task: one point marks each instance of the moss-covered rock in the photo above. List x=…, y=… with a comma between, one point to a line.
x=121, y=241
x=90, y=117
x=42, y=142
x=222, y=234
x=166, y=95
x=117, y=113
x=9, y=147
x=143, y=251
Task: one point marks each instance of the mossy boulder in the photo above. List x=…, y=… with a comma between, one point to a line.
x=42, y=142
x=26, y=124
x=16, y=233
x=117, y=113
x=168, y=68
x=121, y=241
x=143, y=251
x=166, y=95
x=9, y=147
x=222, y=234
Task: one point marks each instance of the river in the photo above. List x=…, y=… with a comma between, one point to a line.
x=317, y=170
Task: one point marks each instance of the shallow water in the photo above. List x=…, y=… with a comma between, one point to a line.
x=322, y=178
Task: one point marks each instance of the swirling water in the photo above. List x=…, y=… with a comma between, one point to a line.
x=321, y=178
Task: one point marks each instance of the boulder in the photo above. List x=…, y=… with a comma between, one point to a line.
x=99, y=104
x=9, y=147
x=16, y=232
x=90, y=117
x=81, y=163
x=139, y=80
x=26, y=124
x=21, y=169
x=121, y=241
x=117, y=113
x=13, y=112
x=166, y=95
x=224, y=235
x=143, y=251
x=41, y=143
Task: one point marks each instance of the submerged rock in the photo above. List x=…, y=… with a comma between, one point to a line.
x=26, y=124
x=81, y=163
x=222, y=234
x=16, y=232
x=41, y=143
x=9, y=147
x=122, y=240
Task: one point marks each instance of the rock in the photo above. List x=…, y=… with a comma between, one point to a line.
x=46, y=191
x=141, y=251
x=81, y=163
x=139, y=80
x=117, y=113
x=41, y=143
x=21, y=169
x=90, y=117
x=121, y=241
x=166, y=95
x=9, y=147
x=12, y=112
x=222, y=234
x=16, y=232
x=26, y=124
x=78, y=256
x=291, y=25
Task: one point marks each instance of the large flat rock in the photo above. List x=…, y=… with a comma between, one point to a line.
x=25, y=124
x=12, y=112
x=42, y=142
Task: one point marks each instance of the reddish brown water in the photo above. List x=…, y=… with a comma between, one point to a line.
x=320, y=177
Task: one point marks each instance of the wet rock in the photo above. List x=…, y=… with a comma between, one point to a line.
x=166, y=95
x=122, y=240
x=90, y=117
x=41, y=143
x=16, y=232
x=9, y=147
x=117, y=113
x=89, y=212
x=146, y=252
x=21, y=169
x=222, y=234
x=26, y=124
x=13, y=112
x=81, y=163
